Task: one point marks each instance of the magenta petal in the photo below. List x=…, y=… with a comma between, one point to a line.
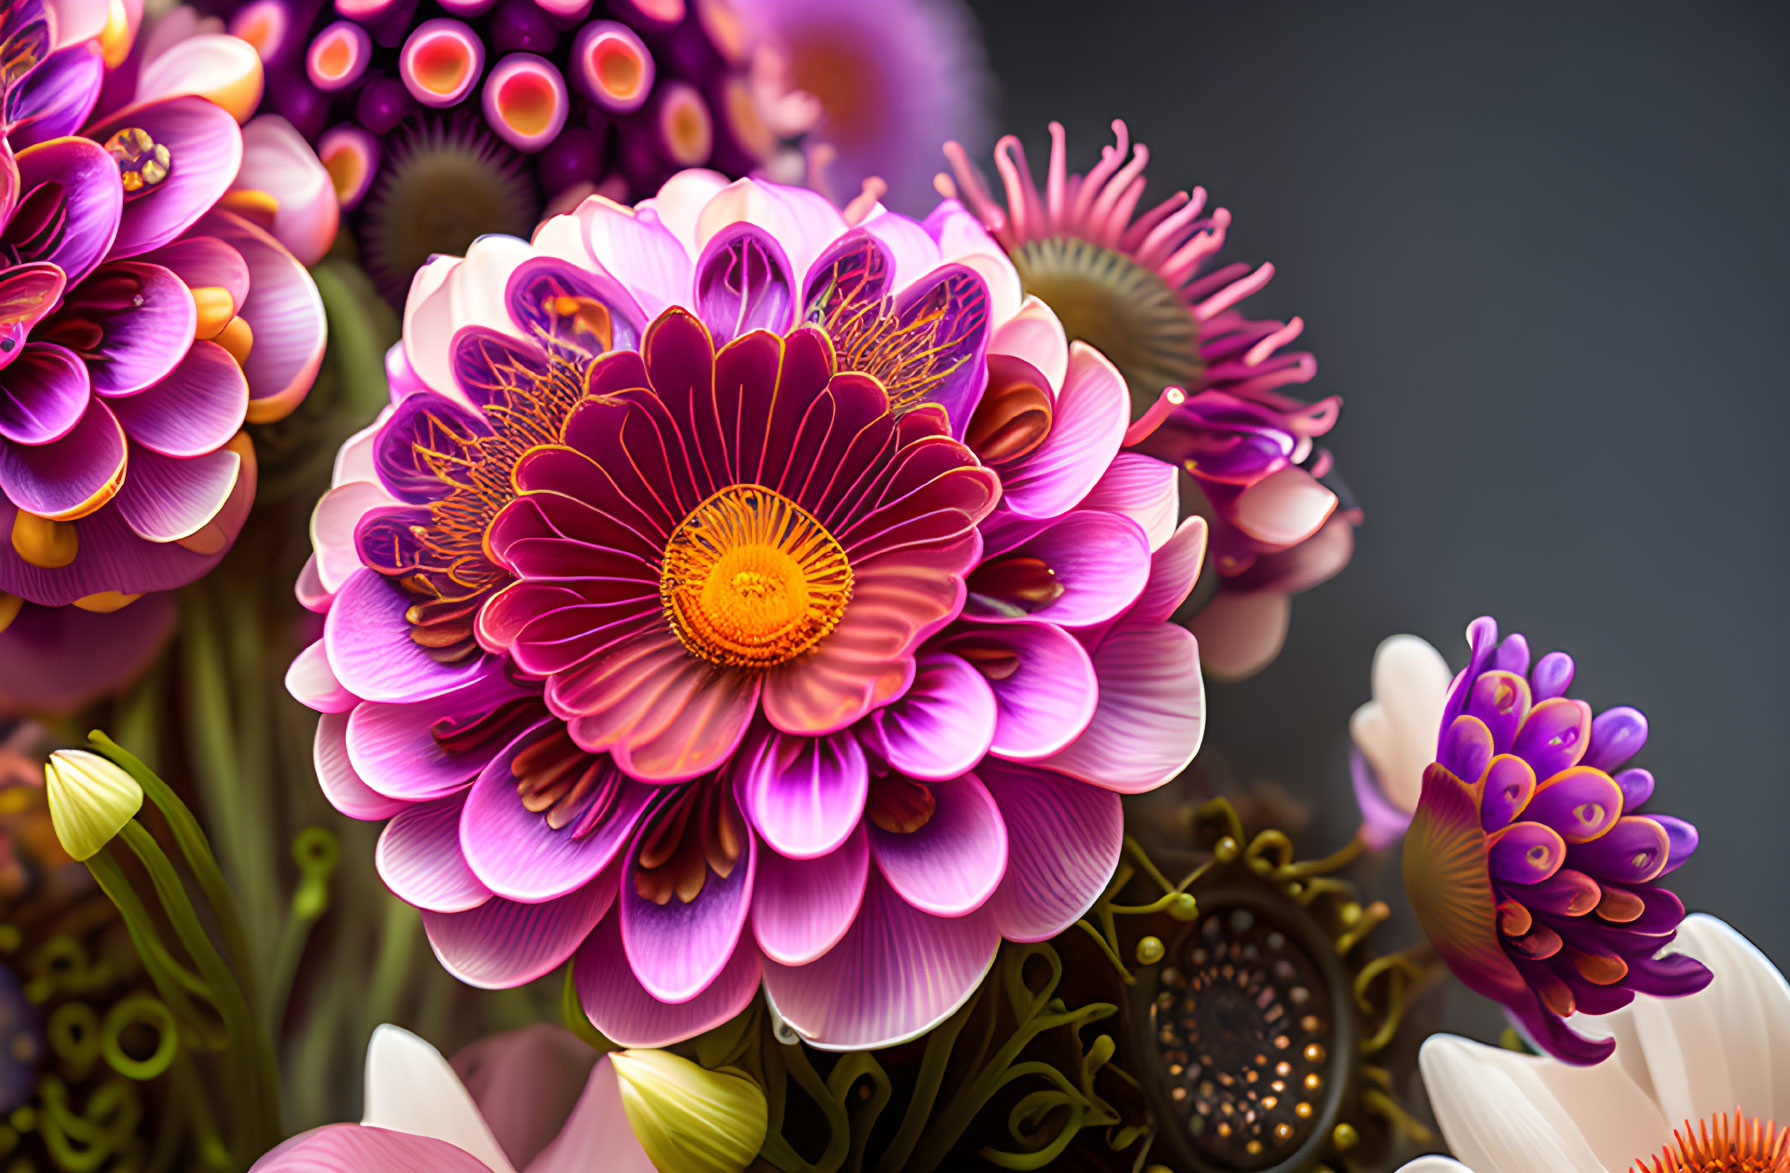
x=73, y=181
x=55, y=98
x=146, y=319
x=195, y=410
x=284, y=310
x=621, y=1008
x=1151, y=714
x=27, y=292
x=801, y=907
x=514, y=850
x=676, y=949
x=394, y=749
x=1063, y=843
x=370, y=649
x=1088, y=421
x=313, y=685
x=335, y=773
x=55, y=660
x=65, y=477
x=862, y=994
x=743, y=284
x=420, y=861
x=501, y=943
x=1044, y=683
x=950, y=866
x=803, y=794
x=43, y=394
x=204, y=260
x=1099, y=560
x=167, y=498
x=1174, y=568
x=940, y=727
x=356, y=1148
x=206, y=148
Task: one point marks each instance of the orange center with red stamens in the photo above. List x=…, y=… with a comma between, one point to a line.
x=751, y=579
x=1726, y=1144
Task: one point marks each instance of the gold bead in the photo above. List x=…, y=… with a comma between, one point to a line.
x=1149, y=951
x=46, y=544
x=215, y=310
x=1345, y=1137
x=237, y=338
x=9, y=609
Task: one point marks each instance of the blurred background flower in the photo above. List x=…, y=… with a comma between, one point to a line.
x=1395, y=735
x=1529, y=861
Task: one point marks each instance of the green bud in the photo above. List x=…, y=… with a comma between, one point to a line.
x=690, y=1119
x=91, y=799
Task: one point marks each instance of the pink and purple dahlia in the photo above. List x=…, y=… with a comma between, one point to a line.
x=739, y=593
x=141, y=325
x=1530, y=862
x=443, y=121
x=1206, y=380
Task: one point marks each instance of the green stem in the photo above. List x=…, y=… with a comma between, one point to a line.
x=196, y=850
x=315, y=853
x=172, y=980
x=249, y=1049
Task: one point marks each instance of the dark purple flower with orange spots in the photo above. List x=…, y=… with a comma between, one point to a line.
x=1530, y=861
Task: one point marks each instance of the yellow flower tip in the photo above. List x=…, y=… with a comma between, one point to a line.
x=91, y=799
x=688, y=1118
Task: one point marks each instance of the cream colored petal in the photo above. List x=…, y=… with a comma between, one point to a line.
x=680, y=201
x=1411, y=683
x=1498, y=1117
x=1434, y=1164
x=410, y=1088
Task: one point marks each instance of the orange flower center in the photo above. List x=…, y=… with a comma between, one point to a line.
x=1726, y=1144
x=752, y=580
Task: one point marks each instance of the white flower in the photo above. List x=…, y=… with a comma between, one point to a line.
x=1695, y=1059
x=1396, y=732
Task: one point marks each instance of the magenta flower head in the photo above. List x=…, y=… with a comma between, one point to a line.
x=1530, y=861
x=142, y=324
x=1206, y=380
x=740, y=592
x=892, y=79
x=445, y=120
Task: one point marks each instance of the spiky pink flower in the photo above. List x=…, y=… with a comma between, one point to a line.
x=737, y=592
x=1206, y=380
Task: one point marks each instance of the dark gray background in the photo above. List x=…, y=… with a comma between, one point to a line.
x=1541, y=252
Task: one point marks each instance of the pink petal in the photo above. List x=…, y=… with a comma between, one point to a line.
x=1174, y=568
x=341, y=785
x=394, y=748
x=419, y=858
x=1088, y=422
x=678, y=950
x=941, y=726
x=313, y=685
x=285, y=312
x=1063, y=843
x=207, y=148
x=950, y=866
x=801, y=907
x=862, y=994
x=803, y=794
x=276, y=159
x=598, y=1124
x=1142, y=488
x=166, y=498
x=620, y=1007
x=1284, y=508
x=354, y=1148
x=370, y=649
x=501, y=944
x=1044, y=683
x=1036, y=335
x=195, y=410
x=1151, y=715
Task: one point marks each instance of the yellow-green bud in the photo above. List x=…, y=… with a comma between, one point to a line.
x=91, y=799
x=688, y=1118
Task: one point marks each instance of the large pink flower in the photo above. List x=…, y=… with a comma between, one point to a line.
x=715, y=551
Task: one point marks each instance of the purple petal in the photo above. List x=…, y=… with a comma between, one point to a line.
x=201, y=261
x=43, y=394
x=370, y=649
x=285, y=313
x=489, y=366
x=1509, y=784
x=1499, y=701
x=1551, y=1034
x=1513, y=654
x=1552, y=676
x=206, y=149
x=677, y=949
x=1466, y=747
x=862, y=994
x=501, y=943
x=519, y=855
x=420, y=861
x=195, y=410
x=69, y=207
x=1063, y=843
x=621, y=1008
x=1151, y=715
x=1672, y=976
x=541, y=283
x=1482, y=638
x=743, y=284
x=1681, y=838
x=1634, y=851
x=145, y=317
x=420, y=427
x=1554, y=735
x=1382, y=824
x=854, y=270
x=1616, y=736
x=313, y=685
x=58, y=660
x=69, y=477
x=341, y=785
x=27, y=293
x=1580, y=803
x=1568, y=892
x=57, y=97
x=395, y=750
x=953, y=301
x=1525, y=853
x=1637, y=787
x=952, y=865
x=166, y=498
x=1044, y=682
x=942, y=725
x=802, y=907
x=356, y=1148
x=803, y=794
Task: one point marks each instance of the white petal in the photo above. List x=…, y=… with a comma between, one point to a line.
x=410, y=1088
x=1434, y=1164
x=1499, y=1117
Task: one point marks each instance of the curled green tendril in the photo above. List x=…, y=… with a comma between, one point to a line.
x=82, y=1140
x=73, y=1032
x=316, y=852
x=139, y=1010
